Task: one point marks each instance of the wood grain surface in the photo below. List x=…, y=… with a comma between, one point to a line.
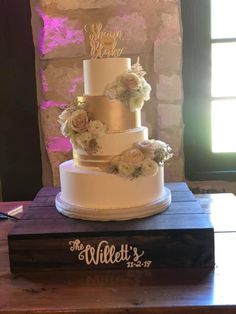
x=181, y=236
x=162, y=291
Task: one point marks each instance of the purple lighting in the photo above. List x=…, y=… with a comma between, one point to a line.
x=74, y=82
x=59, y=144
x=50, y=103
x=44, y=82
x=125, y=17
x=59, y=32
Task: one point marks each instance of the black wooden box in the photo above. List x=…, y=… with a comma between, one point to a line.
x=43, y=240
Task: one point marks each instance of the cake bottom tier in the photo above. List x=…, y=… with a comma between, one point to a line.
x=91, y=189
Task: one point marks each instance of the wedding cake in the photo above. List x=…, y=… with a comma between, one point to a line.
x=117, y=173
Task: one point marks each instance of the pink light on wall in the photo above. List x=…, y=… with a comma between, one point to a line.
x=58, y=144
x=74, y=84
x=125, y=17
x=44, y=81
x=50, y=103
x=59, y=32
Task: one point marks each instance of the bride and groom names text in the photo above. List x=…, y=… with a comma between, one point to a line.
x=103, y=43
x=104, y=253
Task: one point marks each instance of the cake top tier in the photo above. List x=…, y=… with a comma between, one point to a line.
x=98, y=73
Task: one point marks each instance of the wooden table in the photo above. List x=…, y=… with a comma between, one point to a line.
x=137, y=291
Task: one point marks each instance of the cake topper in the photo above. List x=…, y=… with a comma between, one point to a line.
x=103, y=43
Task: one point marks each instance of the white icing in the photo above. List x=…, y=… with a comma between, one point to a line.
x=96, y=189
x=115, y=143
x=114, y=214
x=88, y=188
x=99, y=72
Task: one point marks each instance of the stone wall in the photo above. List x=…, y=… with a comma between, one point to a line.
x=151, y=30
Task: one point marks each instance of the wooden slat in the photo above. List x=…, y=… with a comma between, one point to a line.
x=48, y=191
x=7, y=224
x=156, y=291
x=43, y=213
x=164, y=249
x=104, y=292
x=191, y=207
x=7, y=206
x=217, y=203
x=49, y=201
x=150, y=224
x=44, y=201
x=222, y=210
x=177, y=186
x=182, y=196
x=181, y=220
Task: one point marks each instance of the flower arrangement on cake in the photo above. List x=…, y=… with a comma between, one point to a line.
x=82, y=132
x=131, y=88
x=143, y=159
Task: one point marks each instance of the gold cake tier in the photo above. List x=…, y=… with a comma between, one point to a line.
x=112, y=112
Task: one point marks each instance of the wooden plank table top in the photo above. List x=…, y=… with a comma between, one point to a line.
x=137, y=291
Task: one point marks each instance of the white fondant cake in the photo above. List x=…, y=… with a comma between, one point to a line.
x=115, y=143
x=97, y=189
x=100, y=72
x=115, y=168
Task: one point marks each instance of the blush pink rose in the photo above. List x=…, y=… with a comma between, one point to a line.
x=147, y=147
x=78, y=121
x=133, y=156
x=131, y=80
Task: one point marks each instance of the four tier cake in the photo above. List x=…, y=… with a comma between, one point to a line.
x=117, y=173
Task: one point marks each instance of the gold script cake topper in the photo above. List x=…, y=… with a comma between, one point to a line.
x=103, y=43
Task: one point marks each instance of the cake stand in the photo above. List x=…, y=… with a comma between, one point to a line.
x=117, y=214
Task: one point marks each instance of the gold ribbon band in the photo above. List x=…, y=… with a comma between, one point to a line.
x=91, y=160
x=95, y=157
x=102, y=165
x=91, y=163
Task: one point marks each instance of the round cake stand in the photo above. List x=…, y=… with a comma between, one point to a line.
x=78, y=212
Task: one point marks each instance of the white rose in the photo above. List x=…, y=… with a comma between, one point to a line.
x=120, y=90
x=136, y=102
x=156, y=144
x=146, y=89
x=65, y=130
x=163, y=152
x=149, y=167
x=65, y=115
x=133, y=156
x=160, y=144
x=116, y=89
x=126, y=169
x=96, y=128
